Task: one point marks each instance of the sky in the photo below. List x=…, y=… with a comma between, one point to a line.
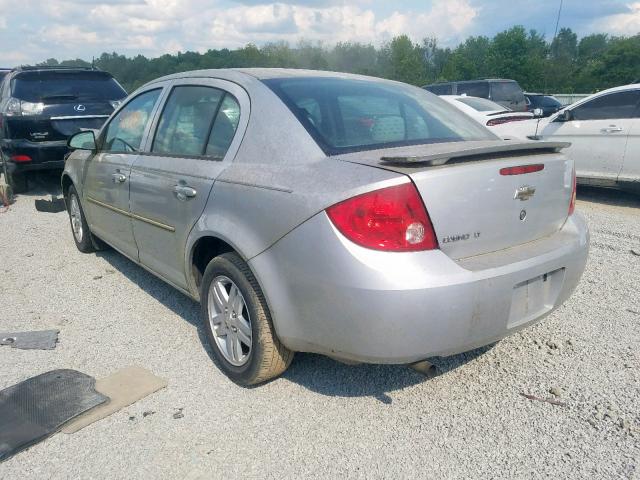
x=63, y=29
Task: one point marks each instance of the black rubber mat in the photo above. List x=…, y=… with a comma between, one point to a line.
x=36, y=408
x=55, y=205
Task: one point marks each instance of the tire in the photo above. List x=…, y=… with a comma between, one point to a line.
x=18, y=182
x=79, y=227
x=266, y=357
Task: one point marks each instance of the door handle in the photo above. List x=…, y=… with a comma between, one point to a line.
x=184, y=191
x=611, y=129
x=119, y=177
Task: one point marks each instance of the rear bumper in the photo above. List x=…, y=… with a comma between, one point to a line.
x=330, y=296
x=44, y=155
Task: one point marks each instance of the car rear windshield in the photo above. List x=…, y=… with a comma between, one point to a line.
x=474, y=89
x=443, y=89
x=504, y=91
x=481, y=104
x=548, y=101
x=347, y=115
x=54, y=87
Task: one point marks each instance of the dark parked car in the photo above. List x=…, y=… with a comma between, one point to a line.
x=547, y=103
x=3, y=73
x=507, y=93
x=40, y=107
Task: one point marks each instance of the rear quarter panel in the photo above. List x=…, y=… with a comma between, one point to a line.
x=278, y=179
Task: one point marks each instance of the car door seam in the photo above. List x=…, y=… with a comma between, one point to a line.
x=132, y=215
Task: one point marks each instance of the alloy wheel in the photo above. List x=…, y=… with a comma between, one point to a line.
x=230, y=321
x=76, y=219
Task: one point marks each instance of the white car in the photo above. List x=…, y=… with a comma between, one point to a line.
x=604, y=132
x=487, y=112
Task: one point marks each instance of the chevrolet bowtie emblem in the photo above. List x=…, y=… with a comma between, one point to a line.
x=524, y=193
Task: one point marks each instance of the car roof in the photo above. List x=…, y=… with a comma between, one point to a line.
x=48, y=68
x=262, y=74
x=621, y=88
x=243, y=76
x=476, y=80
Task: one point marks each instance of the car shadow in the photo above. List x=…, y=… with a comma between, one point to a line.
x=43, y=184
x=329, y=377
x=317, y=373
x=608, y=196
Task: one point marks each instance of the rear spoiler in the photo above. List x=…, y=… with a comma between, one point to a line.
x=474, y=152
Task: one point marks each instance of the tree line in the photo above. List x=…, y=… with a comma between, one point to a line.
x=564, y=65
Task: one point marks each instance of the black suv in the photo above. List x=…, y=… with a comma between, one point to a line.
x=547, y=103
x=503, y=91
x=40, y=107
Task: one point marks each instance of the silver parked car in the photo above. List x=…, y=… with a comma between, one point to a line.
x=355, y=217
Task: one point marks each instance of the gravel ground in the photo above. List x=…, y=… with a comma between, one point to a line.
x=322, y=418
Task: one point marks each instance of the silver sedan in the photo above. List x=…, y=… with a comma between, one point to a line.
x=308, y=211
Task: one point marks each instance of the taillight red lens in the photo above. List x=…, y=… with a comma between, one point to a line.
x=391, y=219
x=21, y=158
x=522, y=169
x=572, y=204
x=500, y=121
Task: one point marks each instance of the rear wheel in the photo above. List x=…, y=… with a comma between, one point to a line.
x=238, y=323
x=79, y=227
x=18, y=182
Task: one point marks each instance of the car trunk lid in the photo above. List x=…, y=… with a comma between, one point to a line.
x=474, y=208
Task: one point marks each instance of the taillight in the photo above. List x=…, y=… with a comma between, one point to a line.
x=390, y=219
x=20, y=158
x=522, y=169
x=15, y=107
x=572, y=203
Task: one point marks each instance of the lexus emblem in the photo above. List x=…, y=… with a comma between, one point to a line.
x=524, y=193
x=79, y=108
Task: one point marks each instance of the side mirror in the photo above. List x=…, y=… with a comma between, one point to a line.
x=538, y=112
x=83, y=141
x=564, y=116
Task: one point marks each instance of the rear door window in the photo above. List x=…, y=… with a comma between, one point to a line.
x=612, y=106
x=224, y=127
x=186, y=120
x=58, y=86
x=474, y=89
x=125, y=131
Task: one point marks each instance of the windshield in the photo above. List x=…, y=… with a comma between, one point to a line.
x=548, y=101
x=346, y=115
x=57, y=86
x=481, y=104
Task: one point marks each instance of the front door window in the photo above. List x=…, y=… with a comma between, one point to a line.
x=125, y=131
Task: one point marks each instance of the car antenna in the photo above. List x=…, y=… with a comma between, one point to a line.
x=535, y=136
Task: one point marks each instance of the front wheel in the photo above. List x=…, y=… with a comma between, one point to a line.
x=238, y=323
x=79, y=227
